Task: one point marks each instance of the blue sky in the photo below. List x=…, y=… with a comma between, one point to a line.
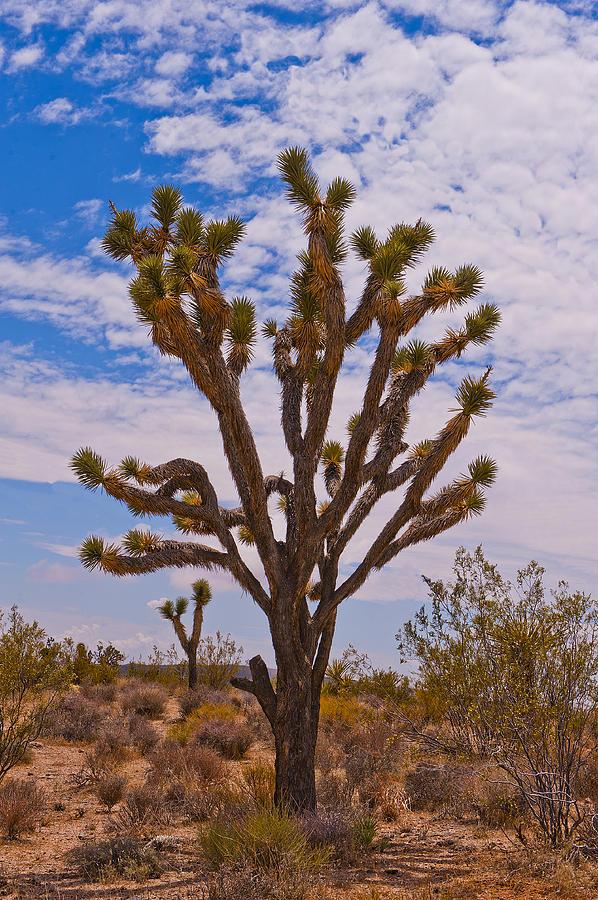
x=480, y=116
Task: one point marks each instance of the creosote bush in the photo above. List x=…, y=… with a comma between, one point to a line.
x=76, y=717
x=231, y=738
x=22, y=806
x=144, y=700
x=34, y=671
x=110, y=790
x=515, y=678
x=269, y=840
x=118, y=857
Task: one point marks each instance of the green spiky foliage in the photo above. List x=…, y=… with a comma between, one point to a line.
x=202, y=592
x=241, y=334
x=302, y=576
x=333, y=457
x=353, y=423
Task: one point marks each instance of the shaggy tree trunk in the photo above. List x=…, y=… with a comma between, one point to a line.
x=192, y=657
x=293, y=710
x=295, y=734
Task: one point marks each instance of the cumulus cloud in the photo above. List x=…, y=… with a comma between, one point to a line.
x=173, y=63
x=154, y=604
x=60, y=111
x=25, y=58
x=89, y=210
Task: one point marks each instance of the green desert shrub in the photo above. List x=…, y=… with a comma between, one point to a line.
x=34, y=670
x=268, y=840
x=147, y=700
x=124, y=857
x=22, y=806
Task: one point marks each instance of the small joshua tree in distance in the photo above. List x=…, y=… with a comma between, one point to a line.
x=202, y=594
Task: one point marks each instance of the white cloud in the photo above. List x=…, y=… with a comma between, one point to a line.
x=60, y=549
x=154, y=604
x=60, y=112
x=129, y=176
x=89, y=210
x=25, y=58
x=173, y=63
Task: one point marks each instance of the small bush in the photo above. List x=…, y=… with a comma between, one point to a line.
x=143, y=805
x=192, y=778
x=120, y=856
x=498, y=805
x=343, y=831
x=329, y=755
x=163, y=667
x=142, y=734
x=218, y=660
x=192, y=700
x=115, y=739
x=244, y=883
x=232, y=739
x=205, y=712
x=385, y=793
x=270, y=841
x=432, y=786
x=259, y=781
x=100, y=761
x=110, y=790
x=75, y=718
x=22, y=805
x=145, y=700
x=171, y=760
x=103, y=693
x=332, y=789
x=99, y=666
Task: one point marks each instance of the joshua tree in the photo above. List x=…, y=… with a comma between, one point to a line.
x=202, y=595
x=176, y=294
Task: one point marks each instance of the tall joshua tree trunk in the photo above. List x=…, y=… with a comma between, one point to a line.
x=176, y=293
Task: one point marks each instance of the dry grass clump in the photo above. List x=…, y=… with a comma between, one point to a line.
x=124, y=857
x=142, y=734
x=385, y=793
x=242, y=882
x=144, y=805
x=147, y=700
x=258, y=782
x=110, y=790
x=22, y=806
x=270, y=841
x=230, y=738
x=191, y=700
x=433, y=785
x=76, y=717
x=345, y=832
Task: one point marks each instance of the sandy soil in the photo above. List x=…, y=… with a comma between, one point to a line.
x=426, y=856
